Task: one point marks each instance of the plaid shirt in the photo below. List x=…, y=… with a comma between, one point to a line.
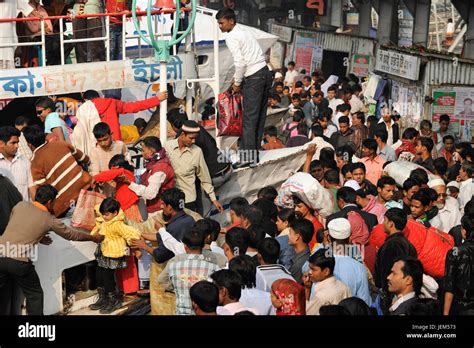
x=181, y=273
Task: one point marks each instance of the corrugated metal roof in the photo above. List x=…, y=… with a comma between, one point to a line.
x=444, y=71
x=341, y=42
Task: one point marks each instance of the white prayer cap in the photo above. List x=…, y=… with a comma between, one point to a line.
x=278, y=75
x=454, y=184
x=353, y=184
x=339, y=228
x=436, y=182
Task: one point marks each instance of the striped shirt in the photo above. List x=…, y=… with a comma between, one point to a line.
x=19, y=173
x=55, y=164
x=181, y=273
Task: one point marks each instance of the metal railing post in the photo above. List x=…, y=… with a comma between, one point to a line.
x=43, y=44
x=124, y=39
x=107, y=38
x=61, y=40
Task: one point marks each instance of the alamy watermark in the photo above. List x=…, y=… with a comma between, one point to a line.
x=19, y=251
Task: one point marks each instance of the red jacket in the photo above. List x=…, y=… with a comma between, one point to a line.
x=317, y=226
x=124, y=195
x=431, y=245
x=109, y=110
x=152, y=167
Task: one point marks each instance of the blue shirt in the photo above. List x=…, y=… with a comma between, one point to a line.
x=286, y=251
x=350, y=272
x=54, y=121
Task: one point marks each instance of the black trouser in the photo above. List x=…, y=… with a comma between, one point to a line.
x=255, y=91
x=106, y=279
x=24, y=274
x=191, y=206
x=93, y=51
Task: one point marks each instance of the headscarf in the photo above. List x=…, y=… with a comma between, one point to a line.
x=292, y=296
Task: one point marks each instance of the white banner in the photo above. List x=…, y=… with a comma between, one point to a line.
x=51, y=80
x=399, y=64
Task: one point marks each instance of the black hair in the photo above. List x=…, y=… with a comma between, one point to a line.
x=427, y=142
x=295, y=96
x=226, y=13
x=315, y=164
x=360, y=116
x=327, y=154
x=346, y=168
x=253, y=214
x=176, y=117
x=409, y=183
x=212, y=228
x=347, y=194
x=467, y=223
x=279, y=83
x=343, y=119
x=109, y=205
x=298, y=84
x=238, y=204
x=468, y=168
x=140, y=123
x=382, y=134
x=193, y=238
x=332, y=310
x=152, y=142
x=45, y=103
x=230, y=280
x=22, y=120
x=307, y=78
x=420, y=175
x=34, y=135
x=7, y=132
x=423, y=197
x=371, y=144
x=441, y=165
x=425, y=306
x=410, y=133
x=304, y=228
x=101, y=129
x=291, y=63
x=246, y=267
x=174, y=197
x=120, y=162
x=358, y=165
x=304, y=95
x=287, y=214
x=238, y=240
x=385, y=180
x=444, y=118
x=321, y=259
x=268, y=192
x=398, y=217
x=269, y=250
x=271, y=131
x=332, y=88
x=361, y=193
x=426, y=124
x=432, y=194
x=298, y=115
x=302, y=129
x=256, y=234
x=317, y=130
x=206, y=295
x=90, y=94
x=355, y=306
x=332, y=176
x=45, y=193
x=448, y=137
x=276, y=97
x=268, y=208
x=413, y=267
x=320, y=235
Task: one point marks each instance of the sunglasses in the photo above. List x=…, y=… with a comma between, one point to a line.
x=39, y=112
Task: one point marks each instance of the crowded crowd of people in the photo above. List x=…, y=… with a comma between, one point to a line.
x=389, y=246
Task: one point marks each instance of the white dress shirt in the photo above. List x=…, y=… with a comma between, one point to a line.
x=233, y=308
x=258, y=299
x=356, y=104
x=19, y=173
x=389, y=131
x=448, y=217
x=466, y=191
x=333, y=104
x=150, y=191
x=290, y=77
x=246, y=51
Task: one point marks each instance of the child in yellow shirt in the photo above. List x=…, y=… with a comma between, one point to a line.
x=112, y=252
